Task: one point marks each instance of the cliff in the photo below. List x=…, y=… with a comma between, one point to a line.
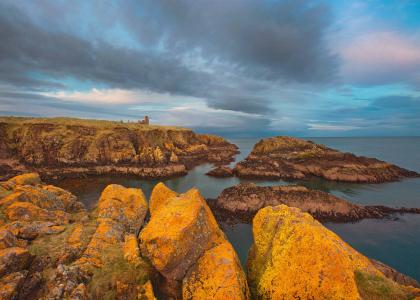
x=61, y=147
x=292, y=158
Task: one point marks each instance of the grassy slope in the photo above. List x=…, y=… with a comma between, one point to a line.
x=105, y=124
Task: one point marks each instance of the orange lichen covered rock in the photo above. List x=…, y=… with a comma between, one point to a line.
x=108, y=234
x=216, y=275
x=294, y=256
x=131, y=249
x=10, y=285
x=26, y=179
x=127, y=206
x=14, y=259
x=7, y=239
x=26, y=211
x=179, y=233
x=159, y=197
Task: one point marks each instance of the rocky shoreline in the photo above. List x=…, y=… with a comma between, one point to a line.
x=51, y=247
x=292, y=158
x=60, y=148
x=240, y=203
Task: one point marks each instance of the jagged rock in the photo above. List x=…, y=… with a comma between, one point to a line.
x=294, y=256
x=181, y=239
x=292, y=158
x=31, y=230
x=173, y=158
x=11, y=285
x=69, y=201
x=126, y=206
x=394, y=275
x=221, y=172
x=242, y=201
x=14, y=259
x=216, y=275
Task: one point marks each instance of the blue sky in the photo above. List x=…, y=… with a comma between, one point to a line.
x=237, y=68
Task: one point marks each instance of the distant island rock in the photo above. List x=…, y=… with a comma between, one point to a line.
x=292, y=158
x=66, y=147
x=243, y=201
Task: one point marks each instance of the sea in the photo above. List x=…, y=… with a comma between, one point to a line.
x=394, y=241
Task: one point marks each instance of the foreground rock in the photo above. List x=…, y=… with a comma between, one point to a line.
x=221, y=172
x=63, y=147
x=295, y=257
x=244, y=200
x=51, y=248
x=187, y=247
x=292, y=158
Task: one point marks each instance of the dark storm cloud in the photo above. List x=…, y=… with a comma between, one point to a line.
x=271, y=41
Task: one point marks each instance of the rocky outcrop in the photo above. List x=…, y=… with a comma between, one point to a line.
x=221, y=172
x=52, y=248
x=186, y=246
x=291, y=158
x=62, y=147
x=295, y=257
x=244, y=200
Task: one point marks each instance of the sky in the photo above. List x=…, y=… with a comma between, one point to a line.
x=245, y=68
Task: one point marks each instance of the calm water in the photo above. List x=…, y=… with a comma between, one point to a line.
x=394, y=242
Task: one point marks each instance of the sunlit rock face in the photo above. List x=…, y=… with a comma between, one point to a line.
x=292, y=158
x=185, y=244
x=294, y=256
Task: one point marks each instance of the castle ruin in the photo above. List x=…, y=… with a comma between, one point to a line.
x=145, y=121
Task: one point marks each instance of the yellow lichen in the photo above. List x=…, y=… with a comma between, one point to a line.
x=26, y=179
x=159, y=197
x=295, y=256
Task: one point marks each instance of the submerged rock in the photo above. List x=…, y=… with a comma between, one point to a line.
x=292, y=158
x=294, y=256
x=243, y=201
x=222, y=171
x=185, y=244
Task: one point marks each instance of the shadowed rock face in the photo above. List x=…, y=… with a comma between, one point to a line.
x=292, y=158
x=295, y=257
x=244, y=200
x=221, y=171
x=72, y=147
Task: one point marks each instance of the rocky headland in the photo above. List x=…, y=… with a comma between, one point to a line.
x=51, y=247
x=292, y=158
x=61, y=147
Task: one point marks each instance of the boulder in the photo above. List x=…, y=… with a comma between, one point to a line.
x=14, y=259
x=127, y=206
x=294, y=256
x=26, y=211
x=222, y=171
x=216, y=275
x=26, y=179
x=7, y=239
x=11, y=285
x=185, y=244
x=179, y=233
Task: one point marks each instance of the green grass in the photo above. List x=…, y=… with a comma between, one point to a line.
x=84, y=122
x=116, y=268
x=374, y=287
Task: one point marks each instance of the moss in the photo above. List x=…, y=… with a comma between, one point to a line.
x=376, y=287
x=52, y=244
x=116, y=269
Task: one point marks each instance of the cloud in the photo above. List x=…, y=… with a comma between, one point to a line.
x=383, y=57
x=331, y=127
x=213, y=50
